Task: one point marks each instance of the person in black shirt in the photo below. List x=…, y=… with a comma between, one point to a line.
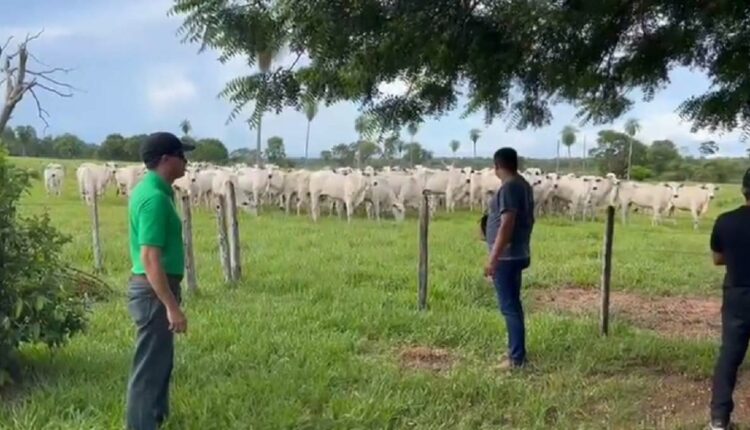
x=730, y=243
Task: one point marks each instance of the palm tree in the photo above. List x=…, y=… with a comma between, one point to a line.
x=568, y=138
x=363, y=126
x=265, y=58
x=632, y=127
x=454, y=147
x=474, y=135
x=186, y=127
x=412, y=129
x=311, y=109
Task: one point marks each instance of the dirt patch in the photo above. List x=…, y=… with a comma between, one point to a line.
x=681, y=402
x=672, y=316
x=426, y=358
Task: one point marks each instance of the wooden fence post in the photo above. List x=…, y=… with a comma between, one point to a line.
x=98, y=260
x=607, y=270
x=424, y=223
x=221, y=210
x=187, y=241
x=234, y=235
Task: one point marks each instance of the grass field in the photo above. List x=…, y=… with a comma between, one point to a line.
x=321, y=331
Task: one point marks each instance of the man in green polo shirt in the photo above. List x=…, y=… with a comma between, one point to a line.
x=154, y=288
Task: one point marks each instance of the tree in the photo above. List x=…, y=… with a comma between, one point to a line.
x=454, y=147
x=69, y=146
x=364, y=151
x=590, y=54
x=19, y=79
x=417, y=154
x=326, y=156
x=133, y=147
x=364, y=125
x=275, y=152
x=474, y=135
x=186, y=127
x=114, y=147
x=662, y=154
x=412, y=128
x=26, y=138
x=568, y=138
x=708, y=148
x=211, y=150
x=611, y=153
x=391, y=146
x=342, y=154
x=632, y=127
x=310, y=106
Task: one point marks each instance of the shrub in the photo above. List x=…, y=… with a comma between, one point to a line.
x=640, y=173
x=41, y=300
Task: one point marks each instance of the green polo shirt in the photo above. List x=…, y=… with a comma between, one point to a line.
x=154, y=222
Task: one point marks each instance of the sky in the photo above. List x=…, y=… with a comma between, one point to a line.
x=134, y=75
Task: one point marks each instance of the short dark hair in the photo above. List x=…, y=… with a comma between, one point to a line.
x=507, y=158
x=152, y=164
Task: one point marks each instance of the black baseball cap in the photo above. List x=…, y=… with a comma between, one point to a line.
x=163, y=143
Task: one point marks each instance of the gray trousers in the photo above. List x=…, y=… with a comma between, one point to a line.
x=148, y=386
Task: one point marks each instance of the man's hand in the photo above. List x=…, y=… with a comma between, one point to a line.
x=490, y=267
x=177, y=320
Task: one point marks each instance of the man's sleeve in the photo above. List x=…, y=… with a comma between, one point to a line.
x=716, y=245
x=152, y=223
x=510, y=198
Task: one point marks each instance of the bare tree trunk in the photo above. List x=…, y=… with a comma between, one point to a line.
x=557, y=159
x=584, y=153
x=259, y=154
x=307, y=140
x=630, y=158
x=475, y=149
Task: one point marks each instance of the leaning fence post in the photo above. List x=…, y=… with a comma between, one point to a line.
x=607, y=270
x=424, y=223
x=187, y=240
x=234, y=235
x=221, y=210
x=98, y=260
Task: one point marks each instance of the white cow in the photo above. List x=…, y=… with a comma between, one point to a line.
x=256, y=182
x=381, y=195
x=656, y=197
x=453, y=184
x=187, y=185
x=220, y=188
x=602, y=193
x=484, y=184
x=349, y=189
x=694, y=198
x=126, y=178
x=544, y=191
x=573, y=192
x=94, y=178
x=53, y=178
x=203, y=187
x=407, y=187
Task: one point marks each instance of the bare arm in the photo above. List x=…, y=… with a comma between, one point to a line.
x=719, y=259
x=504, y=236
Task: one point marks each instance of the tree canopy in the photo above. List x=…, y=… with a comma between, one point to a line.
x=514, y=58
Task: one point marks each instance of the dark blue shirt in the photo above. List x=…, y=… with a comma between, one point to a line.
x=515, y=195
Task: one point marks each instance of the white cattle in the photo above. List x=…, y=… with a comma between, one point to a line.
x=187, y=185
x=126, y=178
x=544, y=191
x=602, y=193
x=573, y=192
x=220, y=188
x=656, y=197
x=256, y=182
x=53, y=178
x=694, y=198
x=381, y=195
x=533, y=171
x=94, y=178
x=453, y=184
x=484, y=184
x=406, y=187
x=349, y=189
x=203, y=187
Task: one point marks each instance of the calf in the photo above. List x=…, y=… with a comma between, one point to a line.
x=695, y=199
x=53, y=178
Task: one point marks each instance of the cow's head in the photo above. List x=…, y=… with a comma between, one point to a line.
x=712, y=189
x=674, y=189
x=399, y=211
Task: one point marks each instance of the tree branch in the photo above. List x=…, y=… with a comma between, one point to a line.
x=41, y=112
x=294, y=63
x=30, y=38
x=7, y=42
x=52, y=90
x=50, y=80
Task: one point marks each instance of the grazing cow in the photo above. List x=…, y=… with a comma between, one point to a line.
x=53, y=178
x=93, y=179
x=381, y=195
x=656, y=197
x=349, y=189
x=126, y=178
x=694, y=198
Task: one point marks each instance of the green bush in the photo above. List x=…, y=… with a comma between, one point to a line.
x=640, y=173
x=41, y=300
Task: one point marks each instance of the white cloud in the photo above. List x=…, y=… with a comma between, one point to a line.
x=168, y=91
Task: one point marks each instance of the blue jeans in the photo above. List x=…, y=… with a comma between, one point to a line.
x=507, y=282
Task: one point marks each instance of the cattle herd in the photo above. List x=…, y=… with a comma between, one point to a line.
x=394, y=190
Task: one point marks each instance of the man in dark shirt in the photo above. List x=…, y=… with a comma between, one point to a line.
x=730, y=243
x=510, y=220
